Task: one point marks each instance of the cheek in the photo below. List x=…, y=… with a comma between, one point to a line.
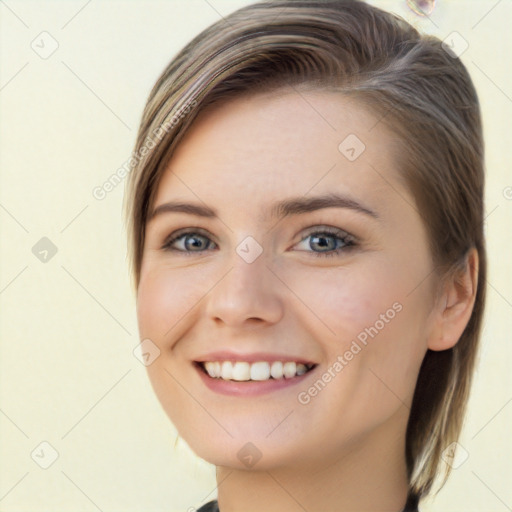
x=343, y=302
x=164, y=298
x=370, y=318
x=165, y=308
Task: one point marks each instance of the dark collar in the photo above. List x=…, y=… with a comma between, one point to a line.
x=410, y=506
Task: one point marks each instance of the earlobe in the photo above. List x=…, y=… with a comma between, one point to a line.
x=455, y=306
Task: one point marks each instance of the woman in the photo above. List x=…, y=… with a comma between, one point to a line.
x=305, y=216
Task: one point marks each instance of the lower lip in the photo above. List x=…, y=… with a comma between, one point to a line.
x=248, y=388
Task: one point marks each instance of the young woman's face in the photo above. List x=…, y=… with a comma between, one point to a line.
x=288, y=238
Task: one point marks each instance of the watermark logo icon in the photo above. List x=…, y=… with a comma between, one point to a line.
x=455, y=44
x=45, y=45
x=44, y=455
x=249, y=455
x=146, y=352
x=249, y=249
x=455, y=455
x=44, y=250
x=352, y=147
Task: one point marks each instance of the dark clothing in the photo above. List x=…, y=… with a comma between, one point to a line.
x=209, y=507
x=410, y=506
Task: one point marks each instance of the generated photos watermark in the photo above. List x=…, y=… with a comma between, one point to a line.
x=357, y=345
x=101, y=191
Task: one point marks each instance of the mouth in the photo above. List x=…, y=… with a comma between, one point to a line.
x=258, y=371
x=245, y=379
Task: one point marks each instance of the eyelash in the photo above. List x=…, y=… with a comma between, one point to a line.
x=348, y=240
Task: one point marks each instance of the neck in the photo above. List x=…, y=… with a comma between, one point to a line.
x=371, y=475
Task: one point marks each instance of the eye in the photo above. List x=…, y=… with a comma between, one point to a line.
x=187, y=241
x=330, y=241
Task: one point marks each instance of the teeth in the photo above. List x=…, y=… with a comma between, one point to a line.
x=227, y=370
x=301, y=369
x=210, y=369
x=289, y=370
x=241, y=371
x=276, y=370
x=259, y=371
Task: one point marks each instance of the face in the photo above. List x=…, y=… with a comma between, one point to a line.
x=283, y=234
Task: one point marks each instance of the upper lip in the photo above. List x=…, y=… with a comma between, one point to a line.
x=253, y=357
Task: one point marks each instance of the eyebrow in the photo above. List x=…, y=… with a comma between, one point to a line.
x=288, y=207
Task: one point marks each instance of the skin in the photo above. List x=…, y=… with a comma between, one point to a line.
x=344, y=449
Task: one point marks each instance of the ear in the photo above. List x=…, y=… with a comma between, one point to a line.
x=455, y=305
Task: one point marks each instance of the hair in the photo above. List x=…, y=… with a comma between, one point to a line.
x=411, y=82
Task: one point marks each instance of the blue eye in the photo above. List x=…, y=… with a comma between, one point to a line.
x=189, y=241
x=329, y=241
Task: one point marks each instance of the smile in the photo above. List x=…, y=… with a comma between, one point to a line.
x=258, y=371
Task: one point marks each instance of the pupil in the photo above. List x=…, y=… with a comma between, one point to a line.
x=323, y=244
x=196, y=242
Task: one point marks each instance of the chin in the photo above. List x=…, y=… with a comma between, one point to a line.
x=244, y=454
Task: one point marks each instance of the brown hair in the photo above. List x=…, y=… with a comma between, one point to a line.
x=410, y=81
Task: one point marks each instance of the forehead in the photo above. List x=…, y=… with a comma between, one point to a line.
x=264, y=146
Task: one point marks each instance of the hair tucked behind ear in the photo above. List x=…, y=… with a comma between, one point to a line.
x=422, y=92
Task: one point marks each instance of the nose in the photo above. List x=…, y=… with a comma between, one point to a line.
x=248, y=293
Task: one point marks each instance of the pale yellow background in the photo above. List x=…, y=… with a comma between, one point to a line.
x=68, y=326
